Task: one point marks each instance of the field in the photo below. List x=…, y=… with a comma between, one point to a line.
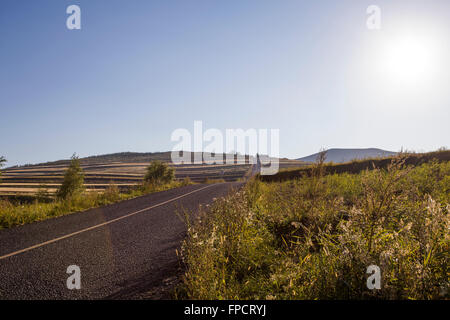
x=27, y=193
x=124, y=170
x=98, y=176
x=311, y=233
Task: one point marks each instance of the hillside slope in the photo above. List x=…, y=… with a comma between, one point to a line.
x=345, y=155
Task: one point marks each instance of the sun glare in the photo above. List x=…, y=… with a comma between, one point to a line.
x=408, y=60
x=402, y=67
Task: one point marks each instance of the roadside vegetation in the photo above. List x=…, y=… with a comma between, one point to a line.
x=213, y=181
x=357, y=166
x=159, y=172
x=73, y=183
x=73, y=197
x=313, y=236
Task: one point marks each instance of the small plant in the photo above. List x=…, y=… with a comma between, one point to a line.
x=73, y=183
x=112, y=193
x=159, y=172
x=186, y=181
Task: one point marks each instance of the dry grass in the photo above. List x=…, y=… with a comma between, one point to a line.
x=357, y=166
x=313, y=238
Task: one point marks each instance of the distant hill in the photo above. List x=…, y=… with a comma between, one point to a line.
x=126, y=157
x=142, y=157
x=108, y=158
x=345, y=155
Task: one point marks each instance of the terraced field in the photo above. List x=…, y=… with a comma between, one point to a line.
x=123, y=169
x=28, y=180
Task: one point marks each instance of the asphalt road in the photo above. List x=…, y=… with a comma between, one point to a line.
x=125, y=250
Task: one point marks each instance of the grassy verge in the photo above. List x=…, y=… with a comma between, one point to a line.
x=357, y=166
x=313, y=238
x=13, y=213
x=213, y=181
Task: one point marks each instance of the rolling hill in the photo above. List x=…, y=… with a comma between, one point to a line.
x=345, y=155
x=125, y=169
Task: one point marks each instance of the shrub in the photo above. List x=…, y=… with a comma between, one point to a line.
x=159, y=172
x=228, y=253
x=73, y=180
x=111, y=194
x=186, y=181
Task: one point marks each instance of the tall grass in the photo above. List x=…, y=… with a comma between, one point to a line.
x=357, y=166
x=314, y=237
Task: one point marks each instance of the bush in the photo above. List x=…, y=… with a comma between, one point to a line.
x=111, y=194
x=186, y=181
x=228, y=254
x=73, y=183
x=159, y=172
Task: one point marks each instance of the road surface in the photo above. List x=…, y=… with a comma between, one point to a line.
x=124, y=251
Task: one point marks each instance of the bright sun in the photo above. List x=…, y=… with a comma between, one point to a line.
x=402, y=67
x=408, y=60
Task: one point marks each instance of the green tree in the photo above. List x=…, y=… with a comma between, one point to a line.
x=73, y=180
x=159, y=172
